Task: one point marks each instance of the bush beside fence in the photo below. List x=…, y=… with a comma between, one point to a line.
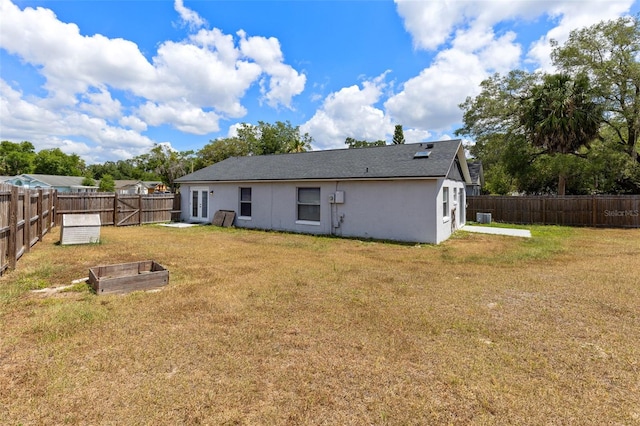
x=611, y=211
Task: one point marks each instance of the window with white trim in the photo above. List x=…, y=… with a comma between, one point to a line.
x=245, y=202
x=309, y=204
x=445, y=202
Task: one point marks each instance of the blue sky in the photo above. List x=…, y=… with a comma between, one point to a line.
x=108, y=79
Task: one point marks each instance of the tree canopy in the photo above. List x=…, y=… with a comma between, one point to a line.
x=398, y=135
x=16, y=158
x=524, y=125
x=355, y=143
x=560, y=116
x=263, y=139
x=609, y=53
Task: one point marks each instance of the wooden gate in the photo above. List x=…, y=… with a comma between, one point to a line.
x=128, y=210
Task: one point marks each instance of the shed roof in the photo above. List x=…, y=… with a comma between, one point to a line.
x=379, y=162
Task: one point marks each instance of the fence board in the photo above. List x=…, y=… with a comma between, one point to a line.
x=118, y=209
x=25, y=216
x=612, y=211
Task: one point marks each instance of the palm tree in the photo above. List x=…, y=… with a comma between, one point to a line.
x=561, y=116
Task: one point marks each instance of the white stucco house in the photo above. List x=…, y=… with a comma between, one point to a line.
x=410, y=192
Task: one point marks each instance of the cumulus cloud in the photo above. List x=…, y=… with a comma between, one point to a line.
x=184, y=117
x=350, y=112
x=573, y=15
x=23, y=119
x=471, y=48
x=188, y=16
x=190, y=84
x=430, y=100
x=284, y=81
x=433, y=23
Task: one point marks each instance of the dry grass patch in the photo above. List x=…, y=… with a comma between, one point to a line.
x=268, y=328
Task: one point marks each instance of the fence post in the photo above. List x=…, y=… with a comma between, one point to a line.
x=140, y=209
x=26, y=217
x=54, y=208
x=115, y=208
x=40, y=215
x=12, y=248
x=594, y=214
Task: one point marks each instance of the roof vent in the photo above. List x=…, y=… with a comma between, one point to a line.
x=422, y=154
x=429, y=146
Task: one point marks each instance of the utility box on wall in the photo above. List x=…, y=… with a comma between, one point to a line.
x=337, y=197
x=80, y=229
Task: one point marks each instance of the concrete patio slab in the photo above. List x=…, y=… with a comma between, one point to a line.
x=179, y=225
x=524, y=233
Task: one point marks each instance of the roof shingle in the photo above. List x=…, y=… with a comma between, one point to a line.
x=389, y=161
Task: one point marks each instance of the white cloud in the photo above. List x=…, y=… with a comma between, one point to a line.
x=430, y=100
x=189, y=84
x=101, y=104
x=134, y=123
x=472, y=48
x=574, y=15
x=433, y=23
x=65, y=128
x=202, y=77
x=415, y=135
x=350, y=112
x=181, y=115
x=188, y=16
x=284, y=81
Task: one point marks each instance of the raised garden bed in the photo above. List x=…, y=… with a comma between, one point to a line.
x=128, y=277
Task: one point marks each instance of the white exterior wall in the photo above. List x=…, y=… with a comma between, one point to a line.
x=455, y=219
x=400, y=210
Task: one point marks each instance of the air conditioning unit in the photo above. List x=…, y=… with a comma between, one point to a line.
x=483, y=217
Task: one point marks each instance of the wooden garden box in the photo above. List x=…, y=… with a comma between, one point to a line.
x=127, y=277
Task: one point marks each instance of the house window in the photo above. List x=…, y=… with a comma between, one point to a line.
x=309, y=204
x=445, y=203
x=245, y=202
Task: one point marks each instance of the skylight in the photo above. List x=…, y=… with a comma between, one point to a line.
x=422, y=154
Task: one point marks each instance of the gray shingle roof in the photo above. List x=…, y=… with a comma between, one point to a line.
x=58, y=181
x=389, y=161
x=475, y=171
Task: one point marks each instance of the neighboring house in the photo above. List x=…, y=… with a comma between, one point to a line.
x=156, y=187
x=61, y=183
x=410, y=192
x=477, y=178
x=139, y=187
x=130, y=187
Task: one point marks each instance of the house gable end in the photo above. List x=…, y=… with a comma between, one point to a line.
x=455, y=173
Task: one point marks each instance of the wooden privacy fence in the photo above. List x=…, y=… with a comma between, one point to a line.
x=611, y=211
x=118, y=209
x=26, y=215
